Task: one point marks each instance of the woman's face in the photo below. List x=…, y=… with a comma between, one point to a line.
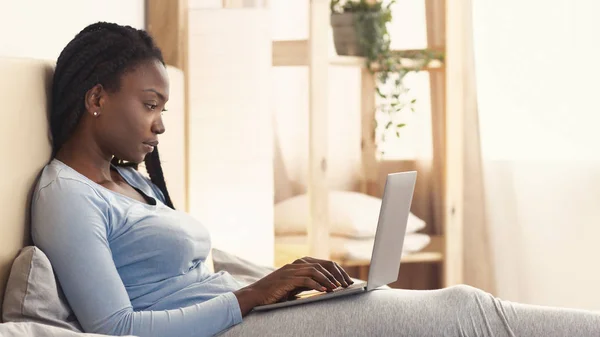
x=130, y=119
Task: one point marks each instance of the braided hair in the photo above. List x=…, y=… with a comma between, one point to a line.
x=100, y=54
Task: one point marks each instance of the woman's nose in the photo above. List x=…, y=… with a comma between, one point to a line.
x=158, y=127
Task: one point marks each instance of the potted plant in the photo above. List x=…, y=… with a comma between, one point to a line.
x=360, y=29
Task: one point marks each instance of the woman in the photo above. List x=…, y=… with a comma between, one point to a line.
x=129, y=263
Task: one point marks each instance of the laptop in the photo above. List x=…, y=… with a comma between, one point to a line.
x=387, y=247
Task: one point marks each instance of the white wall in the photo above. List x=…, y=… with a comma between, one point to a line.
x=230, y=130
x=544, y=221
x=538, y=112
x=42, y=28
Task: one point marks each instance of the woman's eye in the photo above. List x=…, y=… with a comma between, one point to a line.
x=151, y=106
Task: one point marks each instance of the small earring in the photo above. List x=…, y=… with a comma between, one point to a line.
x=95, y=113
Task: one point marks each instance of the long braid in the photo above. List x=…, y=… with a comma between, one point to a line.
x=155, y=171
x=99, y=54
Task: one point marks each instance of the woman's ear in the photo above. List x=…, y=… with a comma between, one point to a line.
x=94, y=100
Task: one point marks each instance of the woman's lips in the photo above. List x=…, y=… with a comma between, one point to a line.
x=149, y=148
x=150, y=145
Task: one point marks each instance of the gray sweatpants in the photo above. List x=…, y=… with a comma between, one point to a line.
x=454, y=311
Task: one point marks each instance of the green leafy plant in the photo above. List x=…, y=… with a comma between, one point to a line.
x=388, y=66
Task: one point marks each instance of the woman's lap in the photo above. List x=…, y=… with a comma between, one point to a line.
x=455, y=311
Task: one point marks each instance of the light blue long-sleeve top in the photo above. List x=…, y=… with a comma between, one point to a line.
x=128, y=267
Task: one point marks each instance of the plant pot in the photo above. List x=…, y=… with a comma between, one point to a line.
x=345, y=38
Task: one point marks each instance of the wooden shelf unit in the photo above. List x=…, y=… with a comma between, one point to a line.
x=168, y=22
x=294, y=53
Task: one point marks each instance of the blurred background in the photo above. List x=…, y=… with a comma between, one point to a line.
x=296, y=110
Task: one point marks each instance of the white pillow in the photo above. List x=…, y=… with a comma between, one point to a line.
x=351, y=214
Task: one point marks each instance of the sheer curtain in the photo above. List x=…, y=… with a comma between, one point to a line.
x=536, y=82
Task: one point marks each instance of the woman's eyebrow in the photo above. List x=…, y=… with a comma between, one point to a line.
x=161, y=96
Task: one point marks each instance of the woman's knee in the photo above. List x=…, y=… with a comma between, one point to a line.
x=463, y=294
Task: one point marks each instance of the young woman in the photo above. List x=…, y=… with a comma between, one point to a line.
x=129, y=263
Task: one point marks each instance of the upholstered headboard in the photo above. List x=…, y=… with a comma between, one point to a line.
x=25, y=147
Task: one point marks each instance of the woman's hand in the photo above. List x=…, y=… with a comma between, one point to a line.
x=336, y=273
x=301, y=275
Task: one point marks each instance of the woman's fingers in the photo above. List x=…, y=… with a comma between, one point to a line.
x=336, y=272
x=307, y=282
x=340, y=277
x=327, y=273
x=315, y=274
x=307, y=261
x=344, y=274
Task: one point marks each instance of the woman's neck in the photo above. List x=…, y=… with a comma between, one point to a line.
x=86, y=158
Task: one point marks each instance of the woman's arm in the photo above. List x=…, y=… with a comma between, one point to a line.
x=71, y=226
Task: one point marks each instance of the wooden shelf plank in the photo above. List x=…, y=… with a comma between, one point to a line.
x=433, y=253
x=294, y=53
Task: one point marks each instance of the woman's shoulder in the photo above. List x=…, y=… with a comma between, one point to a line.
x=66, y=206
x=58, y=182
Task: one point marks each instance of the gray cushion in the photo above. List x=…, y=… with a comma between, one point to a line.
x=33, y=294
x=245, y=271
x=242, y=270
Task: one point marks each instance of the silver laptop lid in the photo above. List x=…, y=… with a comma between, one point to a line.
x=391, y=229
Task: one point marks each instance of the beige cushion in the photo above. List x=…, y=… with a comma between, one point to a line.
x=351, y=214
x=33, y=295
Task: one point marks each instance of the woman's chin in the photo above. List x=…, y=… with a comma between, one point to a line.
x=141, y=158
x=136, y=158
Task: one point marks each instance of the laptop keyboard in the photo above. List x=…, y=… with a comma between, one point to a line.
x=311, y=293
x=355, y=285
